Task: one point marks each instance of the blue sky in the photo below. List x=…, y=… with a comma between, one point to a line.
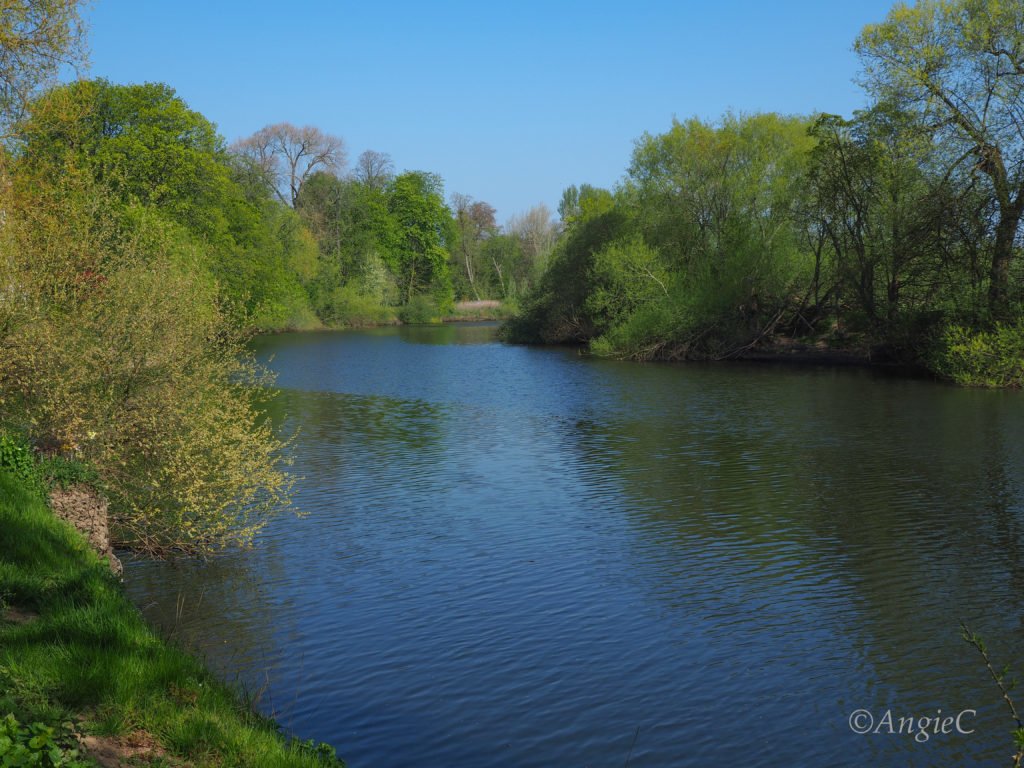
x=509, y=103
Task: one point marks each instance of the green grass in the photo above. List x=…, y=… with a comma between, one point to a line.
x=90, y=657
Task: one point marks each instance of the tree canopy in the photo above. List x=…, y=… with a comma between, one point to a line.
x=960, y=63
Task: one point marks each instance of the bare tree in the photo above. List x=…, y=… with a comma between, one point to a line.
x=288, y=155
x=536, y=230
x=374, y=169
x=474, y=221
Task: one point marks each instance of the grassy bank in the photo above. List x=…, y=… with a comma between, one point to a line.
x=73, y=650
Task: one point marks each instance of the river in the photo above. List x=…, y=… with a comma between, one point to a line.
x=514, y=556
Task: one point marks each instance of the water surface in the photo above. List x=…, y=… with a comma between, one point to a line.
x=522, y=557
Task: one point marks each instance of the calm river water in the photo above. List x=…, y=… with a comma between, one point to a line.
x=522, y=557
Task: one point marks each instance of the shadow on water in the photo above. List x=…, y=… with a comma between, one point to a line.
x=450, y=333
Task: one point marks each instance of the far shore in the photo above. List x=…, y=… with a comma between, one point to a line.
x=779, y=351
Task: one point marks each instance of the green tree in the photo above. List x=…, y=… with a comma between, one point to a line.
x=119, y=352
x=700, y=253
x=719, y=204
x=555, y=310
x=353, y=228
x=626, y=275
x=960, y=63
x=140, y=141
x=341, y=215
x=884, y=214
x=419, y=254
x=156, y=157
x=584, y=202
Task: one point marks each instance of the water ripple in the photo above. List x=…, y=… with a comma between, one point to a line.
x=519, y=557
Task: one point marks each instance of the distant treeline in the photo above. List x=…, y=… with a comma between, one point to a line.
x=894, y=234
x=290, y=236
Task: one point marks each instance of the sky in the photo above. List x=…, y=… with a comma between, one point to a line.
x=509, y=102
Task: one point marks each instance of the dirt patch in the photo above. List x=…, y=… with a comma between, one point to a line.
x=14, y=615
x=466, y=306
x=137, y=748
x=85, y=509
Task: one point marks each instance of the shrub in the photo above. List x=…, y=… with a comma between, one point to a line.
x=289, y=312
x=16, y=457
x=625, y=276
x=350, y=306
x=420, y=309
x=35, y=745
x=120, y=354
x=979, y=358
x=61, y=472
x=640, y=336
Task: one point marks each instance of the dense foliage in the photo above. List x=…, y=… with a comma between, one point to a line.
x=116, y=348
x=695, y=254
x=36, y=745
x=390, y=248
x=894, y=234
x=164, y=165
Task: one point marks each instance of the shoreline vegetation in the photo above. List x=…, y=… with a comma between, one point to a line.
x=461, y=312
x=83, y=675
x=780, y=350
x=895, y=230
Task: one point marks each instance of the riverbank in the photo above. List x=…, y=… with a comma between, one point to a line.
x=786, y=351
x=789, y=351
x=76, y=656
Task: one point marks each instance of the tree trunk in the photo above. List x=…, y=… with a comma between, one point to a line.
x=1002, y=256
x=469, y=272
